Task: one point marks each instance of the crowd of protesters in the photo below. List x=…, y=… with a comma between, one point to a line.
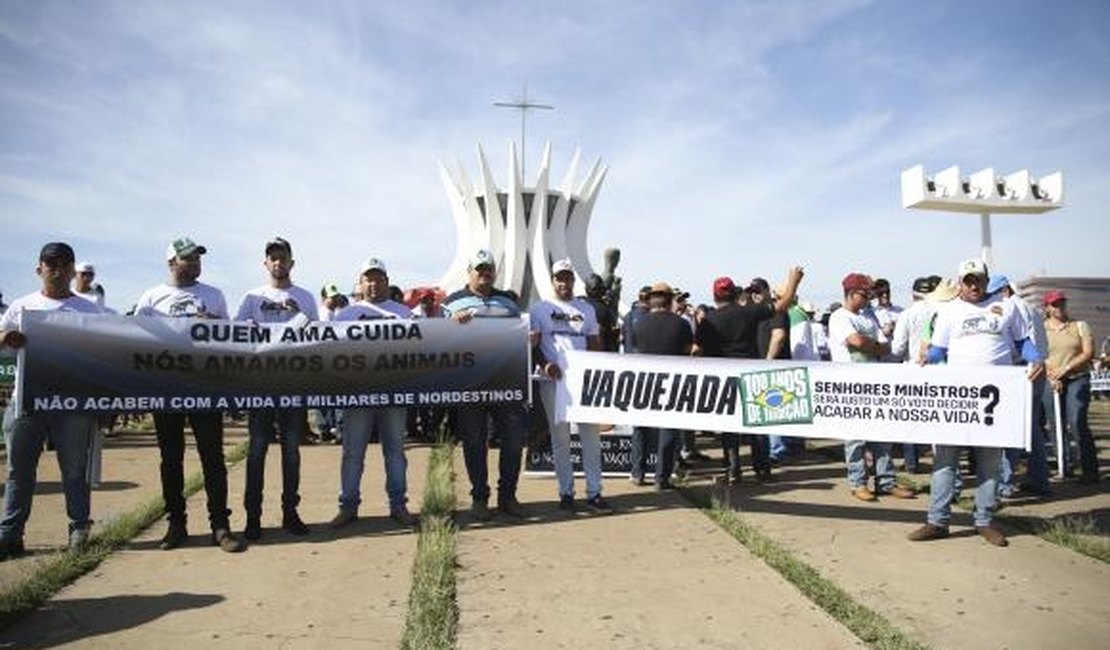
x=975, y=318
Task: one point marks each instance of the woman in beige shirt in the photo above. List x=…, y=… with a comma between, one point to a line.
x=1070, y=350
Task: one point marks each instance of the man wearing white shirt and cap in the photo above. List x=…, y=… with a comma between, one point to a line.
x=558, y=326
x=83, y=285
x=184, y=296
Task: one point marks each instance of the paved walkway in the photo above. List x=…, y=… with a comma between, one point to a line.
x=658, y=574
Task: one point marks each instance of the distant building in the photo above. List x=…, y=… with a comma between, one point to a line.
x=1088, y=299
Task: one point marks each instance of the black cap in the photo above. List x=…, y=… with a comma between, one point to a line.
x=882, y=284
x=925, y=285
x=57, y=251
x=758, y=285
x=595, y=285
x=278, y=242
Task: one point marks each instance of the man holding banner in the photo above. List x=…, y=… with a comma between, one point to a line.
x=277, y=301
x=184, y=296
x=389, y=421
x=974, y=330
x=71, y=433
x=478, y=299
x=855, y=336
x=567, y=323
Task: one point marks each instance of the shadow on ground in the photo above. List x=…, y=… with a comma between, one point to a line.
x=65, y=621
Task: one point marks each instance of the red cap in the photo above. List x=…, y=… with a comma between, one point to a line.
x=1053, y=297
x=857, y=282
x=723, y=288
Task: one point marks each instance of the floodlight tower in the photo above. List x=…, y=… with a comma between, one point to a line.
x=983, y=193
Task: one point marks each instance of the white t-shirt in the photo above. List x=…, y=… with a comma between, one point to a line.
x=363, y=310
x=842, y=324
x=563, y=326
x=268, y=304
x=979, y=333
x=12, y=319
x=92, y=296
x=198, y=300
x=909, y=331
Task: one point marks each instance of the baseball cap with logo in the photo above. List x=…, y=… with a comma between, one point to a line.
x=481, y=257
x=562, y=266
x=58, y=252
x=974, y=266
x=278, y=242
x=85, y=267
x=330, y=291
x=857, y=282
x=373, y=264
x=724, y=288
x=183, y=247
x=924, y=285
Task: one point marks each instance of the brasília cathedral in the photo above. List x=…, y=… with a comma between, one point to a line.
x=525, y=226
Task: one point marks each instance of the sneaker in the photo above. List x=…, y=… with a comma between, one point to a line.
x=253, y=531
x=342, y=518
x=11, y=548
x=402, y=516
x=78, y=539
x=291, y=522
x=175, y=536
x=637, y=480
x=511, y=507
x=927, y=533
x=598, y=506
x=993, y=536
x=900, y=492
x=664, y=485
x=480, y=510
x=566, y=503
x=864, y=494
x=227, y=542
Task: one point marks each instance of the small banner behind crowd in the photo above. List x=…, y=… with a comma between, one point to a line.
x=87, y=362
x=989, y=406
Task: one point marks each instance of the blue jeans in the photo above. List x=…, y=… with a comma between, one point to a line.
x=208, y=431
x=1036, y=469
x=943, y=489
x=508, y=422
x=590, y=437
x=1075, y=402
x=260, y=426
x=71, y=434
x=390, y=423
x=857, y=467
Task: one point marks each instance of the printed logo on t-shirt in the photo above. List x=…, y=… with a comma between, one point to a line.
x=289, y=304
x=981, y=324
x=186, y=305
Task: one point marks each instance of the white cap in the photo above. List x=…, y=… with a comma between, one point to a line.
x=85, y=267
x=373, y=264
x=560, y=266
x=481, y=257
x=974, y=266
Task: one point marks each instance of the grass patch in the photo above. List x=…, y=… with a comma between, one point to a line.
x=63, y=567
x=1079, y=533
x=433, y=613
x=869, y=626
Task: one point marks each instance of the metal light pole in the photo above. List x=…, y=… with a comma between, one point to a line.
x=983, y=193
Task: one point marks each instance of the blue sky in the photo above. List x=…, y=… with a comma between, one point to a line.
x=741, y=137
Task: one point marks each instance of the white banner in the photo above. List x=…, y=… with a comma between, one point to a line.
x=987, y=406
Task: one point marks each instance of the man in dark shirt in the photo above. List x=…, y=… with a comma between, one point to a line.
x=598, y=296
x=732, y=331
x=661, y=331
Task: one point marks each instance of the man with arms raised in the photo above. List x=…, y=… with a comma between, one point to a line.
x=277, y=301
x=567, y=323
x=71, y=433
x=389, y=421
x=184, y=296
x=974, y=330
